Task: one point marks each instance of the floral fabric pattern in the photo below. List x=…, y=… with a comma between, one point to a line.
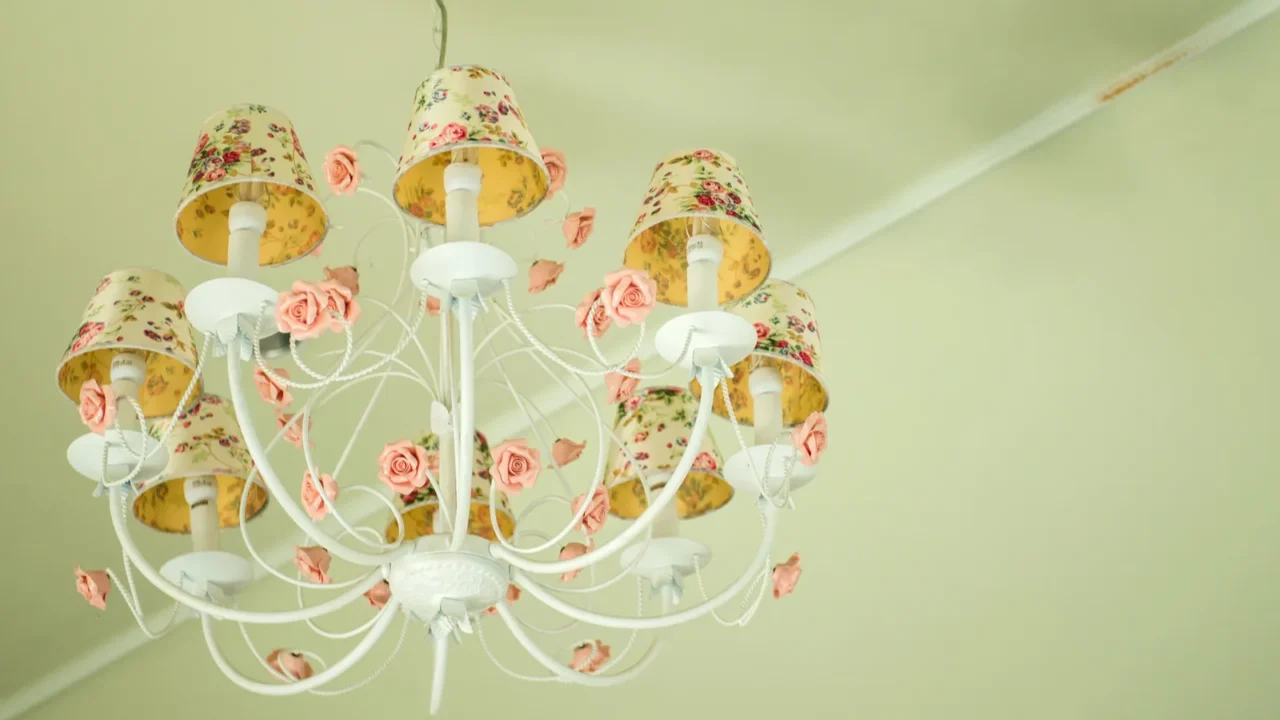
x=467, y=106
x=205, y=441
x=140, y=310
x=418, y=508
x=655, y=424
x=787, y=338
x=699, y=185
x=241, y=144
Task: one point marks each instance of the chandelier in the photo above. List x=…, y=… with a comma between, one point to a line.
x=453, y=546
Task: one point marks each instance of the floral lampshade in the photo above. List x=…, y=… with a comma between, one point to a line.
x=654, y=425
x=786, y=338
x=466, y=106
x=134, y=310
x=205, y=441
x=703, y=184
x=419, y=508
x=250, y=152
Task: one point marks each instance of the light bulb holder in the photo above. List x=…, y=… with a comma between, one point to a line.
x=713, y=337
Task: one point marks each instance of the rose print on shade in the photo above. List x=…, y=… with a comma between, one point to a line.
x=205, y=441
x=654, y=426
x=788, y=340
x=474, y=108
x=142, y=311
x=688, y=190
x=243, y=144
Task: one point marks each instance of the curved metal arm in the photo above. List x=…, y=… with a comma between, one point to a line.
x=524, y=582
x=387, y=614
x=279, y=493
x=437, y=671
x=206, y=607
x=568, y=674
x=641, y=525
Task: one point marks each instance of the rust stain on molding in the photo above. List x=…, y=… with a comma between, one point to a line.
x=1136, y=78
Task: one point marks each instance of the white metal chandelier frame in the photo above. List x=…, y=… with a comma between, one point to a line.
x=468, y=276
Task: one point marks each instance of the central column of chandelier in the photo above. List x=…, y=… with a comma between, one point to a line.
x=453, y=549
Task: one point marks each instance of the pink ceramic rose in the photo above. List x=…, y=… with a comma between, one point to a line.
x=290, y=664
x=513, y=594
x=97, y=406
x=597, y=510
x=342, y=170
x=379, y=594
x=432, y=306
x=311, y=500
x=588, y=658
x=621, y=386
x=293, y=434
x=93, y=585
x=785, y=576
x=810, y=439
x=557, y=171
x=339, y=302
x=629, y=295
x=313, y=563
x=571, y=551
x=300, y=311
x=544, y=274
x=347, y=276
x=515, y=466
x=453, y=132
x=565, y=451
x=600, y=320
x=403, y=467
x=577, y=227
x=272, y=392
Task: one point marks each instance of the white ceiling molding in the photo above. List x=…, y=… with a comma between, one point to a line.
x=902, y=205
